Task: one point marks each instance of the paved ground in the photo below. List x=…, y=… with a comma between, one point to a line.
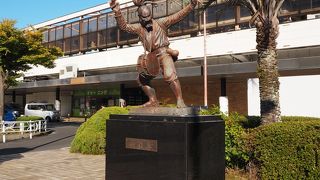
x=52, y=164
x=62, y=135
x=48, y=157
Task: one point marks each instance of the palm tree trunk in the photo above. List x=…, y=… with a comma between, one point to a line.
x=267, y=71
x=269, y=87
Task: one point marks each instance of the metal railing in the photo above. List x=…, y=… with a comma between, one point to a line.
x=22, y=127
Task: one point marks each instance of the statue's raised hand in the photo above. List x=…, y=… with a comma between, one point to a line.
x=114, y=5
x=194, y=2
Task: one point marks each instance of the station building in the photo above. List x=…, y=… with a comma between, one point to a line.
x=99, y=63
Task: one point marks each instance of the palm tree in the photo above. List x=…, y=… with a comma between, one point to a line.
x=265, y=19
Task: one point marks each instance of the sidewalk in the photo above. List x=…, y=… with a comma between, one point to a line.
x=15, y=136
x=52, y=164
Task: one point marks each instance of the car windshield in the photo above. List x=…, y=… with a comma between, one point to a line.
x=49, y=107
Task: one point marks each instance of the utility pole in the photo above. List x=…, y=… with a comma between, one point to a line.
x=205, y=58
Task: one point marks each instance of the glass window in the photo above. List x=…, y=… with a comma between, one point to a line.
x=102, y=22
x=92, y=40
x=84, y=42
x=190, y=22
x=84, y=26
x=244, y=12
x=92, y=24
x=112, y=36
x=59, y=43
x=67, y=47
x=160, y=10
x=75, y=29
x=133, y=15
x=45, y=35
x=67, y=30
x=50, y=107
x=111, y=21
x=52, y=44
x=174, y=6
x=226, y=14
x=75, y=43
x=102, y=36
x=52, y=34
x=59, y=33
x=315, y=3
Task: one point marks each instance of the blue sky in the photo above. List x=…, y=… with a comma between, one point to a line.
x=30, y=12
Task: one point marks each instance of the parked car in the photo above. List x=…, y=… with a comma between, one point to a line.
x=12, y=111
x=45, y=110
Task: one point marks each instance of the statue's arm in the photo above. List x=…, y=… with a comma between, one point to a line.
x=178, y=16
x=122, y=24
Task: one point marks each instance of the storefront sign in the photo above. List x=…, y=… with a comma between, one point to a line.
x=95, y=92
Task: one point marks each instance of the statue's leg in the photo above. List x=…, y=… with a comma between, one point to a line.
x=170, y=76
x=144, y=82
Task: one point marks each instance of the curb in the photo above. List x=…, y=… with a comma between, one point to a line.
x=13, y=137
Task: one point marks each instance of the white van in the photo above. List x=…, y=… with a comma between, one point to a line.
x=45, y=110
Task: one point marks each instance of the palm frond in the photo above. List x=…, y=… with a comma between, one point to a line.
x=204, y=4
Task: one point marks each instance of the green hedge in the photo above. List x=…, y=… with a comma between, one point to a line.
x=287, y=150
x=29, y=118
x=90, y=137
x=298, y=118
x=235, y=154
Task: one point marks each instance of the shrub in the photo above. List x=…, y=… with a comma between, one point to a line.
x=287, y=150
x=29, y=118
x=91, y=135
x=212, y=110
x=235, y=154
x=251, y=122
x=298, y=118
x=255, y=121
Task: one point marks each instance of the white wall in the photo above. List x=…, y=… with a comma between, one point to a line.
x=217, y=44
x=48, y=97
x=65, y=96
x=299, y=96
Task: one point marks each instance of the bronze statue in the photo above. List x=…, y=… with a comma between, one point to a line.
x=158, y=56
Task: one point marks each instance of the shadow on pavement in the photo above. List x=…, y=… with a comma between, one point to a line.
x=8, y=154
x=16, y=154
x=59, y=124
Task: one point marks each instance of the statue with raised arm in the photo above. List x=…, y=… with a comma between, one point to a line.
x=158, y=57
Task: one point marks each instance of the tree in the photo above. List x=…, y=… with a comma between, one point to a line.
x=19, y=50
x=265, y=19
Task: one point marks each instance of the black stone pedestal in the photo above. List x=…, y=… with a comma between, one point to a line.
x=165, y=148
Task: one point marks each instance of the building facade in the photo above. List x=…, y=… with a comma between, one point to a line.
x=99, y=63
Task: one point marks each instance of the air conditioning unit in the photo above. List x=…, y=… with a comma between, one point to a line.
x=313, y=16
x=69, y=71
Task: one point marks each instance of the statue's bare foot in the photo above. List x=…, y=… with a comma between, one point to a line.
x=180, y=103
x=151, y=104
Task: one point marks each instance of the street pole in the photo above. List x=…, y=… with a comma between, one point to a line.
x=205, y=58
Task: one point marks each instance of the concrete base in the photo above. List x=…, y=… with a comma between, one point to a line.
x=141, y=147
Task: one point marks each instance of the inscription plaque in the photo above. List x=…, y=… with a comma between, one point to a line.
x=142, y=144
